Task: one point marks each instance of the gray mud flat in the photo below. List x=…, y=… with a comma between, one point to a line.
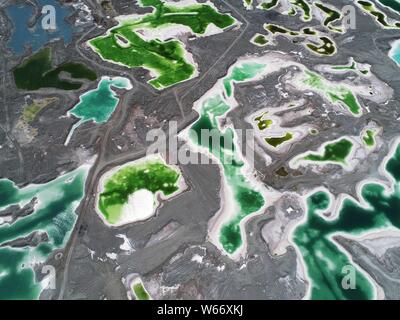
x=171, y=252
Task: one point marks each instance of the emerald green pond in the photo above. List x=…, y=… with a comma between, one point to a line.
x=277, y=141
x=369, y=138
x=323, y=257
x=246, y=199
x=331, y=16
x=37, y=72
x=334, y=93
x=140, y=291
x=377, y=14
x=394, y=53
x=124, y=45
x=392, y=4
x=99, y=104
x=268, y=4
x=243, y=72
x=153, y=175
x=333, y=152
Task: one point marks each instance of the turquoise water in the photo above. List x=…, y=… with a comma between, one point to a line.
x=323, y=258
x=99, y=104
x=54, y=213
x=395, y=52
x=36, y=37
x=241, y=73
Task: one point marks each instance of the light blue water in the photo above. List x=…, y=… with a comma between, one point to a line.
x=395, y=52
x=37, y=37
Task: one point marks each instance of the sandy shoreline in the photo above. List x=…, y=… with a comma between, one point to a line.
x=182, y=186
